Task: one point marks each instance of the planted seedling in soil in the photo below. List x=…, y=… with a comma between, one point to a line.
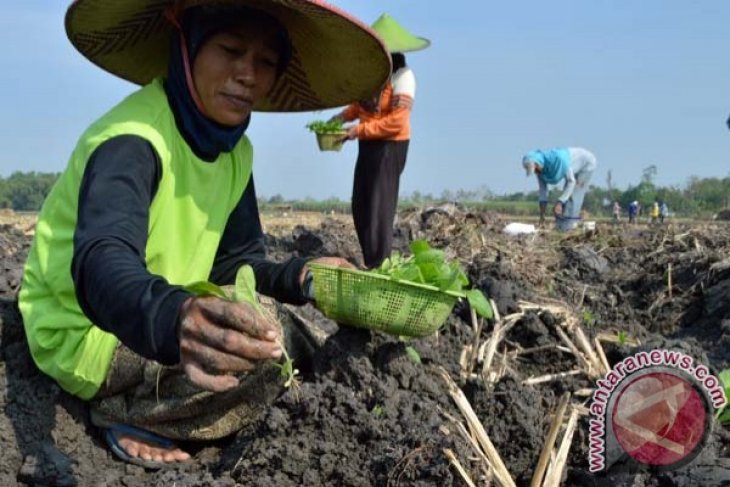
x=588, y=319
x=413, y=355
x=245, y=291
x=622, y=337
x=378, y=410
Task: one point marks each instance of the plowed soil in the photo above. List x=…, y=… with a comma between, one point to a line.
x=366, y=413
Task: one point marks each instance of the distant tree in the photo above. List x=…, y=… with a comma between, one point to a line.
x=26, y=191
x=710, y=193
x=648, y=175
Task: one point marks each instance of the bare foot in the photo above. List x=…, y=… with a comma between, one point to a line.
x=150, y=451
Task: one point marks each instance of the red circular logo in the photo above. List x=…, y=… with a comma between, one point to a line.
x=660, y=419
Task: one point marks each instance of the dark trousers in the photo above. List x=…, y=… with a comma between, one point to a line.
x=375, y=196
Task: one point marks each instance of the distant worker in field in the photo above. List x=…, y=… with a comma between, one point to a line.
x=616, y=211
x=571, y=165
x=384, y=133
x=663, y=211
x=159, y=194
x=654, y=212
x=633, y=211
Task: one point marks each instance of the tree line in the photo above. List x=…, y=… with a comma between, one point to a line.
x=25, y=191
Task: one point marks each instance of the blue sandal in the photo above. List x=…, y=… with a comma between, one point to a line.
x=110, y=432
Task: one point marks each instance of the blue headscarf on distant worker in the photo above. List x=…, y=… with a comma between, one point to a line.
x=554, y=163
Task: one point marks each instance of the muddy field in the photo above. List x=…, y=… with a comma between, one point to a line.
x=367, y=414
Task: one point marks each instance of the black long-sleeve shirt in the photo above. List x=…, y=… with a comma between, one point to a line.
x=113, y=286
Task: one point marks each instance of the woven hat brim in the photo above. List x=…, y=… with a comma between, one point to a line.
x=335, y=58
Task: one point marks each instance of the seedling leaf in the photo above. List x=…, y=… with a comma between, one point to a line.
x=205, y=288
x=245, y=289
x=479, y=303
x=413, y=354
x=723, y=414
x=418, y=246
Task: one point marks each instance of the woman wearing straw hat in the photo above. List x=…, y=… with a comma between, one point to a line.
x=384, y=133
x=158, y=194
x=571, y=165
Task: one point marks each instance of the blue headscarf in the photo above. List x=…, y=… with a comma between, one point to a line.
x=554, y=162
x=206, y=137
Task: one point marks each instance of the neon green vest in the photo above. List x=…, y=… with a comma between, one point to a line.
x=187, y=217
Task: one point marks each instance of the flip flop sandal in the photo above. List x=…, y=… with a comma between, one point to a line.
x=140, y=434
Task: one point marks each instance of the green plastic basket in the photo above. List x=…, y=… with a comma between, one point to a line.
x=331, y=141
x=376, y=302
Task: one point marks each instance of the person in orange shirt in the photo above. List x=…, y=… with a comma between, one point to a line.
x=383, y=135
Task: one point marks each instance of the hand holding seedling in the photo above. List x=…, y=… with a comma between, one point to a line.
x=219, y=338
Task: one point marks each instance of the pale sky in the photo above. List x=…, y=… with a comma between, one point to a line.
x=636, y=82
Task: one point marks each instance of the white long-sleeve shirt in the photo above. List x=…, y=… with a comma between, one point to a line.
x=581, y=161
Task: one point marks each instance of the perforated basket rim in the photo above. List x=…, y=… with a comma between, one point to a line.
x=330, y=134
x=372, y=275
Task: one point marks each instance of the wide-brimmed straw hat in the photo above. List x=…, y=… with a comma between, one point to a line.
x=396, y=37
x=335, y=58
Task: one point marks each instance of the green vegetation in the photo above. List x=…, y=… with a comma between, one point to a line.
x=413, y=355
x=622, y=337
x=322, y=127
x=245, y=291
x=723, y=414
x=697, y=198
x=429, y=266
x=26, y=191
x=588, y=319
x=378, y=410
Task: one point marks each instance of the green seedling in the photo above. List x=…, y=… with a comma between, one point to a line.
x=622, y=337
x=723, y=414
x=377, y=410
x=428, y=266
x=245, y=291
x=588, y=319
x=413, y=355
x=322, y=127
x=288, y=371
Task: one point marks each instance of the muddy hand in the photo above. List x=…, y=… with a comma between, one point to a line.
x=220, y=338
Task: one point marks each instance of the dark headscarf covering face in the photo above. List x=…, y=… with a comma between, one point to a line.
x=206, y=137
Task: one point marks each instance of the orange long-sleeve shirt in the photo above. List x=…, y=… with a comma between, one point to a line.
x=390, y=122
